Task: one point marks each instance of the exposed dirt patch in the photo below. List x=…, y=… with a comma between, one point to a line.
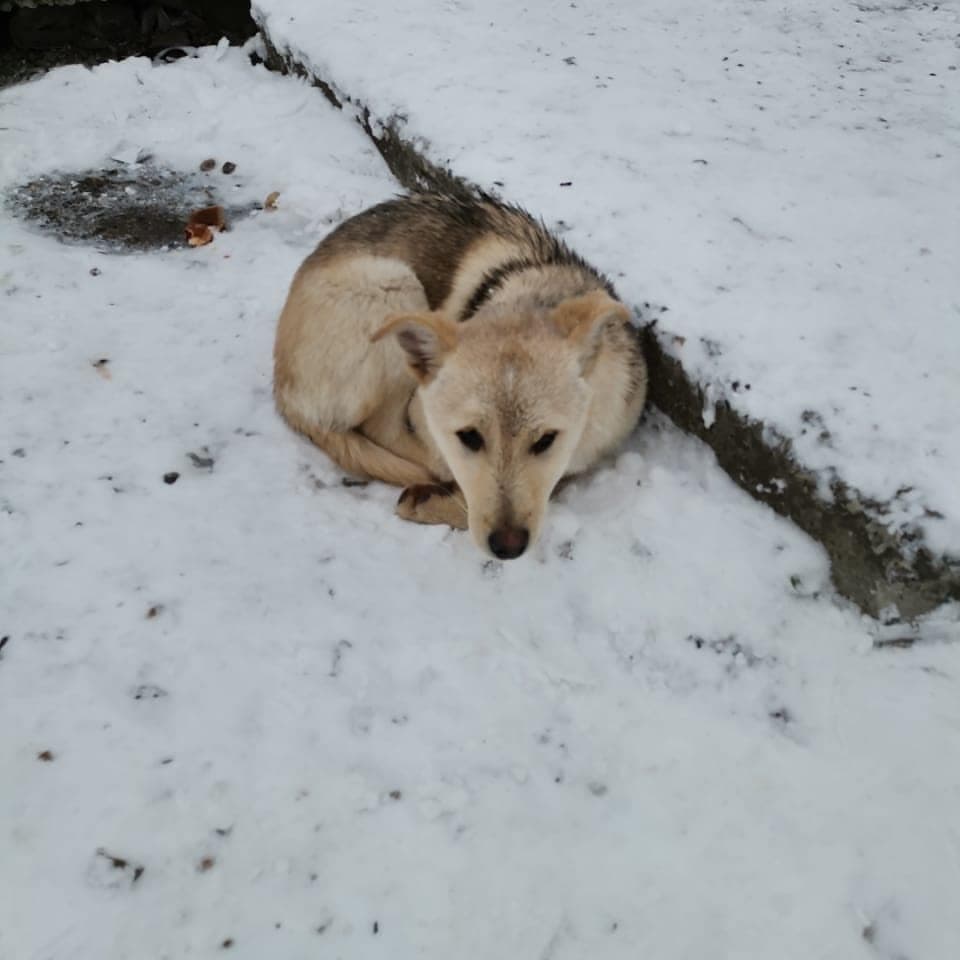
x=131, y=207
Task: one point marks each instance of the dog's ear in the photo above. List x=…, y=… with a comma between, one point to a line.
x=426, y=339
x=583, y=320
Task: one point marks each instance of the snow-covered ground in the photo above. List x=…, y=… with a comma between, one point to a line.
x=250, y=713
x=783, y=176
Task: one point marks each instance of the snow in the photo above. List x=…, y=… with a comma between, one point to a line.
x=782, y=176
x=281, y=722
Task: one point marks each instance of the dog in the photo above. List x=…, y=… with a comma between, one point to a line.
x=453, y=346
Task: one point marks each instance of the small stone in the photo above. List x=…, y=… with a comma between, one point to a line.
x=229, y=167
x=110, y=872
x=208, y=164
x=94, y=271
x=46, y=756
x=201, y=462
x=171, y=477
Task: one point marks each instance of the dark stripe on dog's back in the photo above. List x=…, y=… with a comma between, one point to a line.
x=562, y=256
x=491, y=282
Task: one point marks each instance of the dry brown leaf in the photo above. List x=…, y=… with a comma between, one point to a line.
x=271, y=202
x=203, y=223
x=198, y=234
x=213, y=217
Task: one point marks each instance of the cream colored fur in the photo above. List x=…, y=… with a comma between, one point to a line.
x=360, y=359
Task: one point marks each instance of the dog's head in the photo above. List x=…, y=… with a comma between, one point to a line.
x=505, y=400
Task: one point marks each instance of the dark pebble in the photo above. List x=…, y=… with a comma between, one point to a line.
x=171, y=477
x=201, y=463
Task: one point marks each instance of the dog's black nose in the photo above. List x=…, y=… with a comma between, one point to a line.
x=509, y=542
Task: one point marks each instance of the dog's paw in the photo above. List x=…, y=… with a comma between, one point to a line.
x=419, y=494
x=432, y=503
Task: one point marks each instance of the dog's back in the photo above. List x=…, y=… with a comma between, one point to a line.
x=461, y=248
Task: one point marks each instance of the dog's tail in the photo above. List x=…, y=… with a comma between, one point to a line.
x=361, y=456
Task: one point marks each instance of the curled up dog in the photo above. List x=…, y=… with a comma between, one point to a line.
x=452, y=346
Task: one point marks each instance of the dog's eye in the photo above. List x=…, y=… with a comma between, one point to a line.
x=544, y=443
x=471, y=438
